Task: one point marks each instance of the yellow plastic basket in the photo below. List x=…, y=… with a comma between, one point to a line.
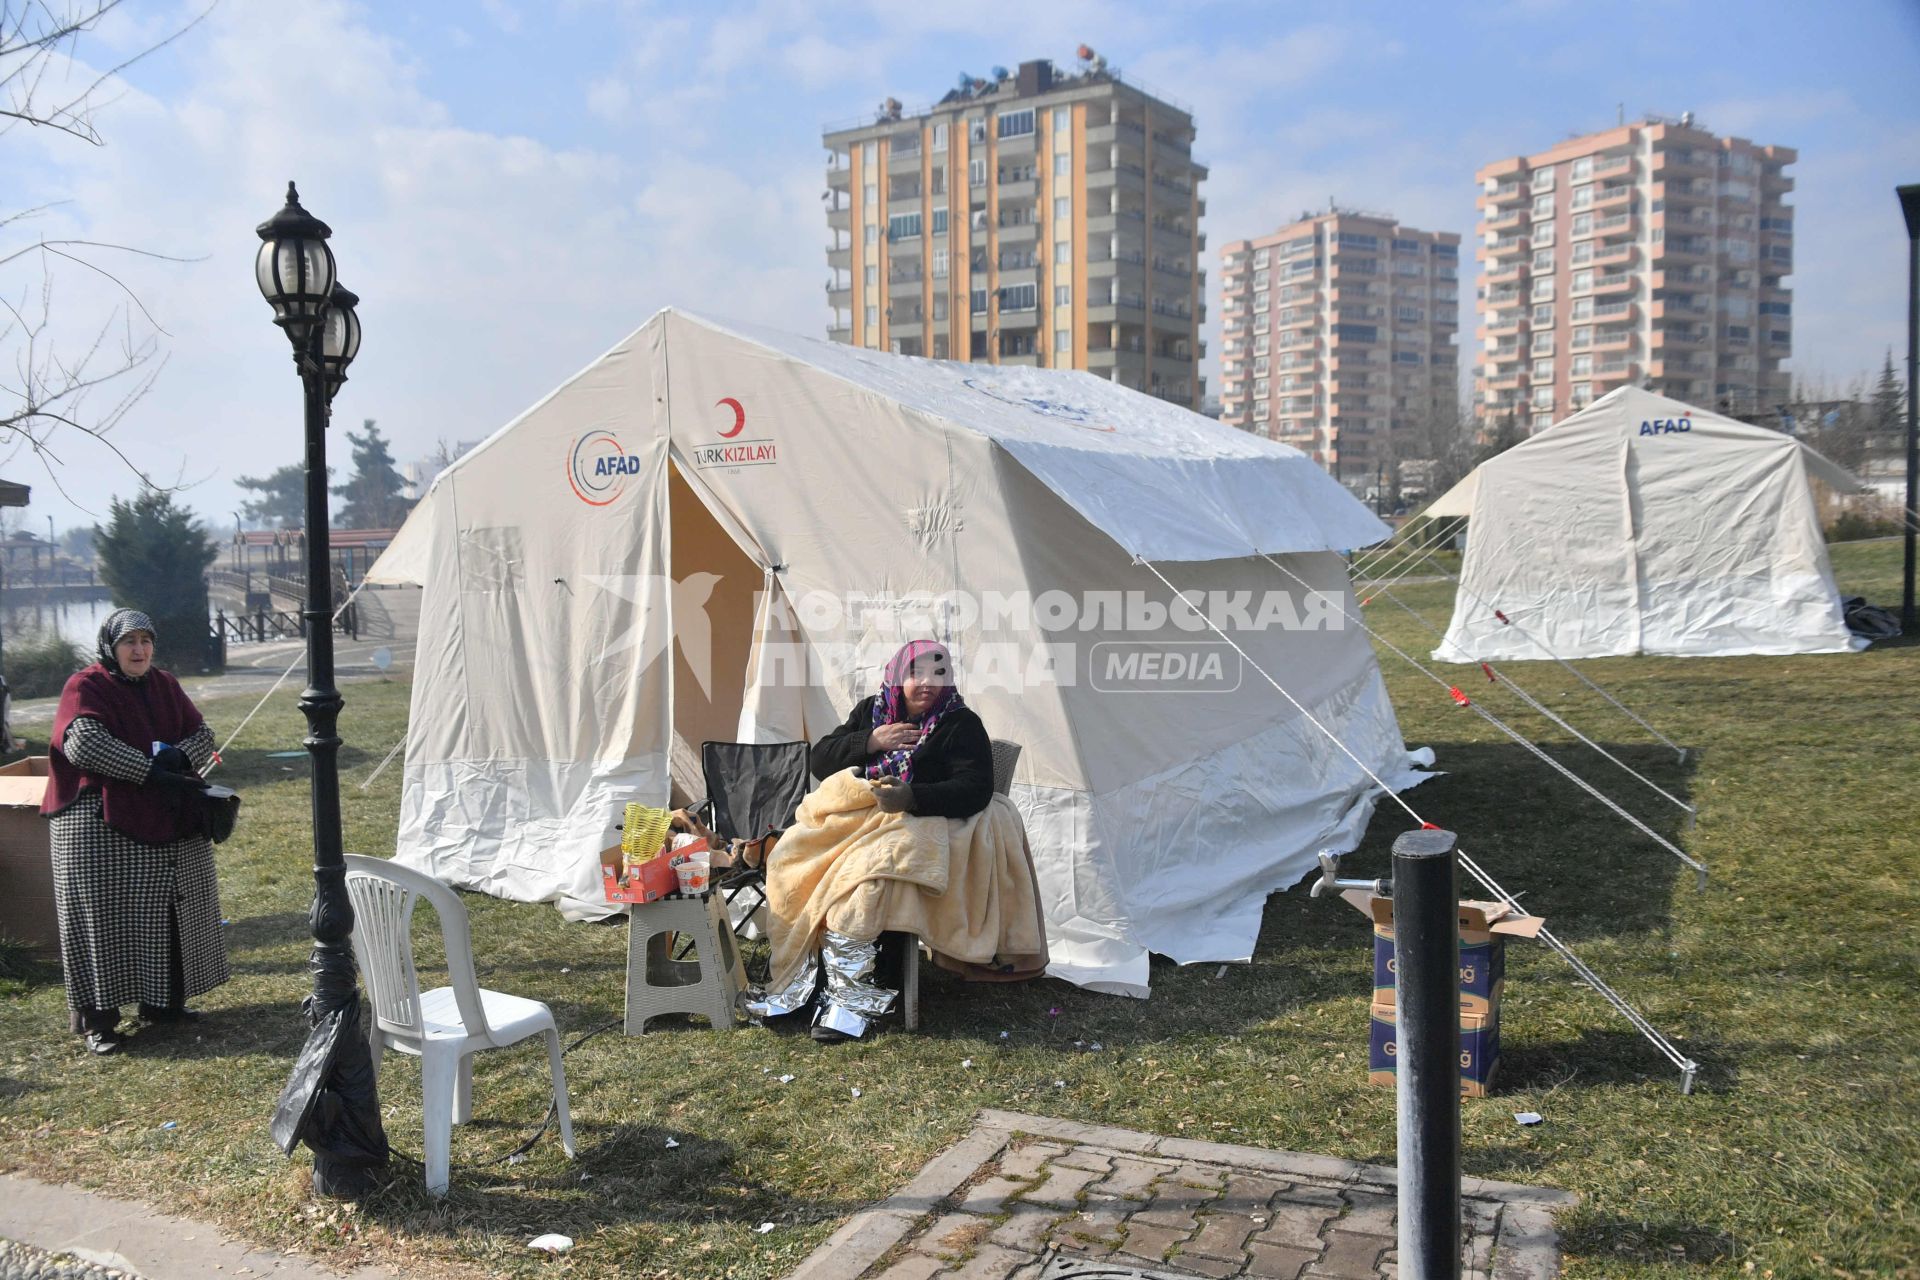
x=643, y=832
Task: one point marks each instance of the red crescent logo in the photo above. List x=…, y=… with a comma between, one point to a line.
x=739, y=417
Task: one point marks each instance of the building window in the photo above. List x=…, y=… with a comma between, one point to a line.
x=939, y=222
x=939, y=306
x=1543, y=397
x=869, y=153
x=1062, y=341
x=1062, y=207
x=1062, y=295
x=1582, y=309
x=1543, y=290
x=1062, y=165
x=941, y=263
x=1016, y=124
x=1543, y=206
x=1260, y=301
x=1062, y=253
x=1583, y=198
x=1543, y=259
x=1543, y=371
x=1543, y=179
x=976, y=173
x=873, y=316
x=870, y=234
x=870, y=196
x=903, y=226
x=873, y=276
x=1582, y=223
x=1062, y=120
x=1582, y=169
x=976, y=129
x=1582, y=366
x=1543, y=344
x=979, y=301
x=1260, y=258
x=1541, y=421
x=940, y=344
x=1582, y=337
x=940, y=137
x=1017, y=297
x=1582, y=281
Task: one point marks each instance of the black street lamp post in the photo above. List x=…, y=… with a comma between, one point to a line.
x=1910, y=513
x=331, y=1101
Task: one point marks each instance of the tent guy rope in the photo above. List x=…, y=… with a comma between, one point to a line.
x=1688, y=1067
x=275, y=687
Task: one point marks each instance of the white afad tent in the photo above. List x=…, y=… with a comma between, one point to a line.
x=722, y=533
x=1644, y=525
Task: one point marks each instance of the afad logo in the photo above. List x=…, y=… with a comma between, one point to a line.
x=1666, y=426
x=597, y=468
x=735, y=452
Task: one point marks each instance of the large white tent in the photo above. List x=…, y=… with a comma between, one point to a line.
x=1644, y=525
x=721, y=532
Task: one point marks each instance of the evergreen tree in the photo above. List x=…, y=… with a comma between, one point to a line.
x=282, y=503
x=155, y=555
x=1887, y=411
x=372, y=496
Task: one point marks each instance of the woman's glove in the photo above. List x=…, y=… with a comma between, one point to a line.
x=171, y=760
x=893, y=796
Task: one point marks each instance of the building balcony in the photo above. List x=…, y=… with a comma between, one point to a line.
x=1616, y=253
x=1507, y=380
x=840, y=176
x=1686, y=249
x=1613, y=282
x=1101, y=224
x=1688, y=163
x=840, y=299
x=1613, y=197
x=1613, y=373
x=1508, y=193
x=1619, y=224
x=1499, y=219
x=840, y=259
x=1028, y=318
x=1621, y=339
x=840, y=219
x=1613, y=312
x=1605, y=166
x=840, y=333
x=1017, y=232
x=1681, y=338
x=899, y=161
x=1501, y=322
x=1682, y=194
x=1775, y=184
x=1022, y=190
x=1511, y=271
x=1509, y=246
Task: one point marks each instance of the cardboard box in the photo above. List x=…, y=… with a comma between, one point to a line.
x=1479, y=1050
x=651, y=881
x=27, y=912
x=1484, y=930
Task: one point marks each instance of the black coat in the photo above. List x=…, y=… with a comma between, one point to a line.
x=952, y=770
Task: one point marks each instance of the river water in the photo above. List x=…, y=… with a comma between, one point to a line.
x=75, y=620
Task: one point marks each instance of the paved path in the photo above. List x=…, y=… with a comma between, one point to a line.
x=49, y=1232
x=1027, y=1198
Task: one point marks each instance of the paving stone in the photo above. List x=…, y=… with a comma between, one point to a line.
x=954, y=1234
x=1289, y=1222
x=991, y=1263
x=1199, y=1175
x=1278, y=1261
x=913, y=1266
x=1175, y=1205
x=1202, y=1266
x=1105, y=1215
x=1313, y=1193
x=1062, y=1188
x=1249, y=1193
x=1372, y=1215
x=990, y=1197
x=1350, y=1256
x=1026, y=1227
x=1026, y=1162
x=1222, y=1235
x=1149, y=1242
x=1081, y=1158
x=1131, y=1178
x=1481, y=1229
x=1084, y=1246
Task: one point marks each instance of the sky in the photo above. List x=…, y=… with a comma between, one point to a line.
x=515, y=186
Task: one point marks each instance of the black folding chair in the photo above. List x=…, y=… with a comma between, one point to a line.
x=753, y=790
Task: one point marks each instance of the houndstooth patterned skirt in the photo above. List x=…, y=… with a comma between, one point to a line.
x=119, y=902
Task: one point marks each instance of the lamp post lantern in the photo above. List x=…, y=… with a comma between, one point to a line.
x=331, y=1101
x=1910, y=514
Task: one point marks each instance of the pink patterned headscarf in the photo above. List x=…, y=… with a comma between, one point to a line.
x=891, y=706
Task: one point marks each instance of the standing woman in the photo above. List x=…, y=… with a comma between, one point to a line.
x=133, y=876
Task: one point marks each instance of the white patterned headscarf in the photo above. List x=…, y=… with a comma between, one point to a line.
x=119, y=624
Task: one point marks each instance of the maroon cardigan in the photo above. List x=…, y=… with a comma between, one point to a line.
x=139, y=713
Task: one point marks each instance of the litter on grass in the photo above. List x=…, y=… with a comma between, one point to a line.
x=672, y=1143
x=763, y=1228
x=552, y=1242
x=1527, y=1117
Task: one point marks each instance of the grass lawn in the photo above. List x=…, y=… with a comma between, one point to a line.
x=1790, y=980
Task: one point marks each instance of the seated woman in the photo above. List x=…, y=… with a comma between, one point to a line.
x=904, y=833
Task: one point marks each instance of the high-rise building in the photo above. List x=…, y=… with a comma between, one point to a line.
x=1654, y=253
x=1034, y=218
x=1338, y=337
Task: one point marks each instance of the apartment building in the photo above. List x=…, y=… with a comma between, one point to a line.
x=1654, y=253
x=1033, y=217
x=1338, y=338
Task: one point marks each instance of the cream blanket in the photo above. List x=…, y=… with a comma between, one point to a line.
x=964, y=886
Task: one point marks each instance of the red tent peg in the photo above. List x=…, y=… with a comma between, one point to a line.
x=1489, y=670
x=1458, y=696
x=1503, y=617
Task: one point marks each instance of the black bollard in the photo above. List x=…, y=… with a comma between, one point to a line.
x=1426, y=984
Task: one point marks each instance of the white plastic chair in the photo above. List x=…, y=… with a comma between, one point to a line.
x=444, y=1027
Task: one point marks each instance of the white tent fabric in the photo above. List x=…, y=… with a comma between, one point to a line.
x=723, y=532
x=1644, y=525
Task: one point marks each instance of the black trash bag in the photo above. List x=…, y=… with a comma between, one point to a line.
x=331, y=1101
